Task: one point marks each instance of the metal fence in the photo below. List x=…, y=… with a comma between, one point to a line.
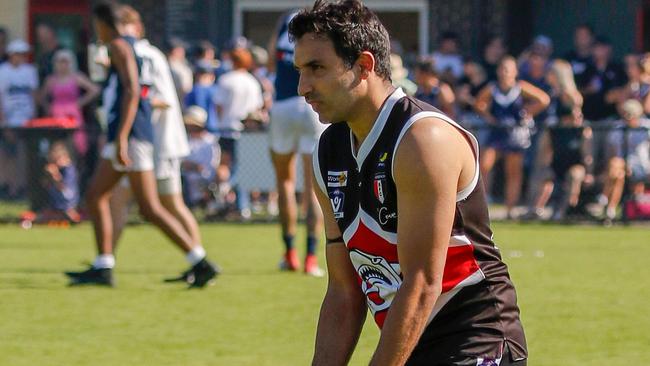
x=26, y=187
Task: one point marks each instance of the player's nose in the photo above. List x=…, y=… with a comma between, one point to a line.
x=304, y=85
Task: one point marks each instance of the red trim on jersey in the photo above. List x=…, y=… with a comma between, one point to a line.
x=380, y=317
x=367, y=241
x=459, y=265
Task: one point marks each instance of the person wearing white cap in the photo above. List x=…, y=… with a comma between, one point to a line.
x=200, y=166
x=18, y=85
x=629, y=157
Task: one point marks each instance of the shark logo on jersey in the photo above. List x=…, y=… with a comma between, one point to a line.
x=337, y=198
x=379, y=279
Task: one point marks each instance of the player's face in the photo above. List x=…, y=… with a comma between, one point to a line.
x=325, y=81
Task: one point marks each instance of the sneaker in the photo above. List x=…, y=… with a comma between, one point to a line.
x=202, y=273
x=188, y=275
x=290, y=262
x=312, y=268
x=92, y=276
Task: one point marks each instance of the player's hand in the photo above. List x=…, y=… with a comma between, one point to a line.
x=122, y=153
x=589, y=179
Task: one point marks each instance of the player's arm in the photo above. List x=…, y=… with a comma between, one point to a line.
x=537, y=99
x=482, y=104
x=447, y=99
x=427, y=170
x=91, y=91
x=124, y=61
x=343, y=311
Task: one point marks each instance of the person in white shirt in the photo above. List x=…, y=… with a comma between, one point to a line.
x=238, y=95
x=449, y=63
x=18, y=87
x=170, y=137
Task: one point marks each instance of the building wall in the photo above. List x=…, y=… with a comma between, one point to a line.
x=13, y=16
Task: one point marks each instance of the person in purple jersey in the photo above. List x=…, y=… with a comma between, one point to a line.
x=405, y=214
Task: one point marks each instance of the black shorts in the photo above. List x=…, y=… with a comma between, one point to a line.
x=506, y=360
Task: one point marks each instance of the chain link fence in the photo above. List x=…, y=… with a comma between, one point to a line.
x=34, y=185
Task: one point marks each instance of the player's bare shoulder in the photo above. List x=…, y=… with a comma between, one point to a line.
x=433, y=146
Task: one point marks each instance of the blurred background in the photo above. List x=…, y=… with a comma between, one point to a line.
x=453, y=47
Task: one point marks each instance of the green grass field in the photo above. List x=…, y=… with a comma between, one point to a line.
x=583, y=292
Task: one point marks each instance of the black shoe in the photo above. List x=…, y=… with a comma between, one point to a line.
x=92, y=276
x=202, y=274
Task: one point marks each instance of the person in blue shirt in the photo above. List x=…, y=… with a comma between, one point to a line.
x=202, y=93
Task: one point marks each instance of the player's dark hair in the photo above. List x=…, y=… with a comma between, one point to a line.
x=107, y=12
x=351, y=27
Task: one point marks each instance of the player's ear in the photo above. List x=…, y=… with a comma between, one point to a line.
x=366, y=64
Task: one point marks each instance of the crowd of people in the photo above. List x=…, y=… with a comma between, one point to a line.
x=571, y=130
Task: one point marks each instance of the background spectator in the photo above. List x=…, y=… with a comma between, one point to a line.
x=65, y=93
x=4, y=38
x=601, y=76
x=47, y=45
x=493, y=51
x=629, y=156
x=467, y=88
x=238, y=96
x=259, y=120
x=580, y=56
x=431, y=89
x=18, y=85
x=449, y=62
x=61, y=185
x=565, y=149
x=180, y=68
x=202, y=93
x=509, y=106
x=637, y=86
x=399, y=75
x=199, y=168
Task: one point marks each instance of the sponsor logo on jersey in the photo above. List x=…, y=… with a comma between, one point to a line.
x=382, y=160
x=385, y=216
x=337, y=178
x=337, y=198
